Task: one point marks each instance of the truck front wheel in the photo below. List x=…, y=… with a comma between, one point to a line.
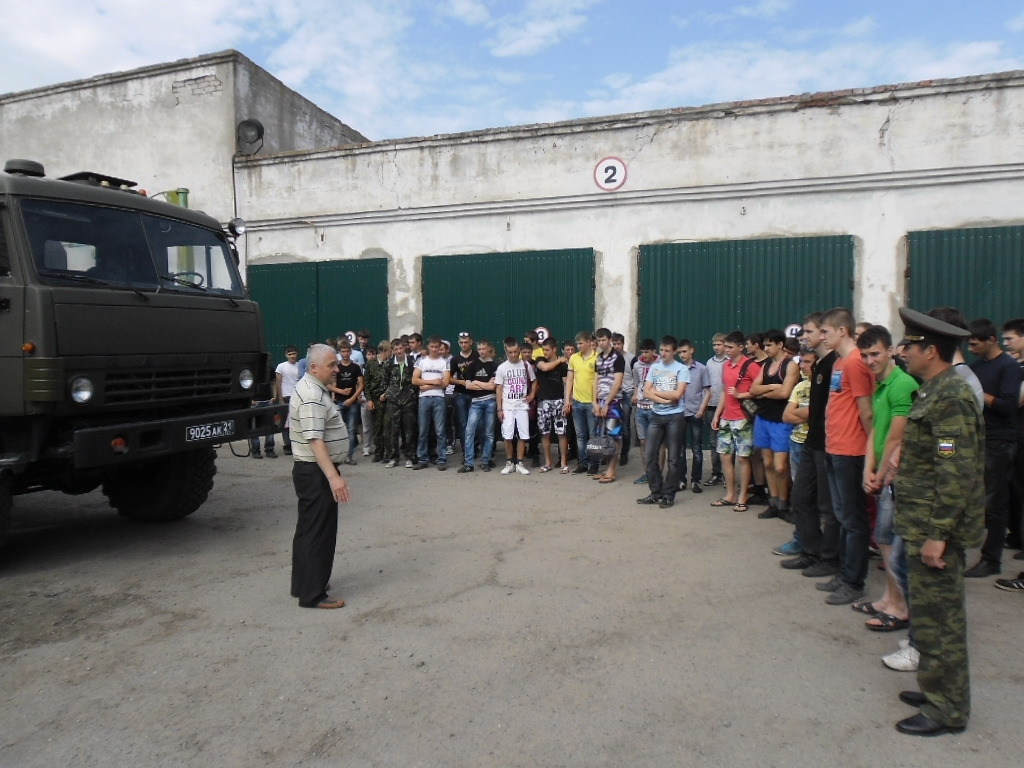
x=167, y=489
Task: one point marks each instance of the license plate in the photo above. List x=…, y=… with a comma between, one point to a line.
x=210, y=431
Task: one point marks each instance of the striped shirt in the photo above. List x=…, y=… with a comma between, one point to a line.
x=314, y=417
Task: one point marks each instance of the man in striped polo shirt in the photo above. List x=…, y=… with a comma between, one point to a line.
x=319, y=444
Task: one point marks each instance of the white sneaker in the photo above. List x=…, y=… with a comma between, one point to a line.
x=408, y=464
x=450, y=450
x=521, y=469
x=509, y=468
x=391, y=464
x=366, y=453
x=904, y=660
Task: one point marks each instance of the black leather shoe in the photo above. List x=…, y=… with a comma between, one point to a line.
x=982, y=569
x=695, y=487
x=922, y=725
x=666, y=503
x=767, y=514
x=913, y=698
x=649, y=499
x=798, y=563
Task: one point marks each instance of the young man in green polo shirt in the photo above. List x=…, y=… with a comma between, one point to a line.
x=890, y=405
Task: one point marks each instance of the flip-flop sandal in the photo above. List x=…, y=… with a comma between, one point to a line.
x=599, y=477
x=867, y=607
x=741, y=507
x=889, y=623
x=546, y=468
x=563, y=471
x=722, y=503
x=606, y=480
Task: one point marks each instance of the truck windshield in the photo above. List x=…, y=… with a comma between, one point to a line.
x=112, y=246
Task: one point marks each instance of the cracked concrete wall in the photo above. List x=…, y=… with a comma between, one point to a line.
x=164, y=127
x=874, y=164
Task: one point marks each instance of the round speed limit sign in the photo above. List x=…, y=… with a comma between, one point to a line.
x=610, y=174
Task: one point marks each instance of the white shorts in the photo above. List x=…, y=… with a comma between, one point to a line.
x=512, y=419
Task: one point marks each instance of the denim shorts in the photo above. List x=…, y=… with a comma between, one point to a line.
x=884, y=533
x=735, y=437
x=643, y=420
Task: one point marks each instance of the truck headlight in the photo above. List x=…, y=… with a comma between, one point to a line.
x=245, y=378
x=81, y=390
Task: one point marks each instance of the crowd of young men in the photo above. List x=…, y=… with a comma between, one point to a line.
x=857, y=442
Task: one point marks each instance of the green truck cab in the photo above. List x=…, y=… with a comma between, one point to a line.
x=128, y=345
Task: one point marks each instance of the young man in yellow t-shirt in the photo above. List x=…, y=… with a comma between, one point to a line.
x=579, y=398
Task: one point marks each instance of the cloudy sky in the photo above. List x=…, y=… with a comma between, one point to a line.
x=395, y=68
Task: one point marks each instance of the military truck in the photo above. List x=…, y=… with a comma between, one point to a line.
x=128, y=345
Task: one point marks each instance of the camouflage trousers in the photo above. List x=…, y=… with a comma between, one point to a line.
x=381, y=433
x=401, y=426
x=940, y=635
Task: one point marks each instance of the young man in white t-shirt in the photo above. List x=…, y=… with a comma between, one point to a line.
x=431, y=376
x=516, y=389
x=287, y=376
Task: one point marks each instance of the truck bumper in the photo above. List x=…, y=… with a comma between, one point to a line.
x=127, y=443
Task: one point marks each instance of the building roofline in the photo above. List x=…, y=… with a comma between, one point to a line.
x=791, y=103
x=221, y=57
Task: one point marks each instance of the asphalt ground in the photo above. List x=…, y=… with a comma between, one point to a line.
x=540, y=620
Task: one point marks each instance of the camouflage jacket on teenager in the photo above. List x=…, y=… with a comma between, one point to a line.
x=373, y=380
x=398, y=382
x=940, y=488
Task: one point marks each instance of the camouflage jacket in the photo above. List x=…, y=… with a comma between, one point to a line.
x=373, y=378
x=398, y=382
x=940, y=488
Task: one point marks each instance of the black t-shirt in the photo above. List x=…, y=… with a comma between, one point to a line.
x=551, y=384
x=347, y=378
x=483, y=372
x=821, y=379
x=459, y=365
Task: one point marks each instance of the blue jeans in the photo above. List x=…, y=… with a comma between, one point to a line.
x=350, y=415
x=716, y=457
x=585, y=423
x=479, y=410
x=431, y=411
x=460, y=418
x=845, y=480
x=694, y=434
x=670, y=428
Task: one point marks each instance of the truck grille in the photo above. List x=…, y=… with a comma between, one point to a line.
x=157, y=386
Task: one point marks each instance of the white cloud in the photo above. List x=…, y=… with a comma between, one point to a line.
x=765, y=9
x=472, y=12
x=540, y=25
x=859, y=28
x=1017, y=24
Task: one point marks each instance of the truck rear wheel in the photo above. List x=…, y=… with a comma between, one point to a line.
x=168, y=489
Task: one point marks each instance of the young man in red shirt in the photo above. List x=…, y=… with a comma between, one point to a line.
x=735, y=430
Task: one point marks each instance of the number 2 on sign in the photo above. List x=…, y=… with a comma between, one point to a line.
x=610, y=174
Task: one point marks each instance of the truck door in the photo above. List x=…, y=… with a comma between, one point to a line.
x=12, y=327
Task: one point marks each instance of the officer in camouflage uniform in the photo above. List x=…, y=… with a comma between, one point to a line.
x=940, y=511
x=375, y=385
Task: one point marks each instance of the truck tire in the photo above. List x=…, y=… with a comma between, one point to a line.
x=6, y=506
x=168, y=489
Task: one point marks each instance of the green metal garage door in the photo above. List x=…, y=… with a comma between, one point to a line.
x=494, y=295
x=979, y=271
x=315, y=300
x=696, y=290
